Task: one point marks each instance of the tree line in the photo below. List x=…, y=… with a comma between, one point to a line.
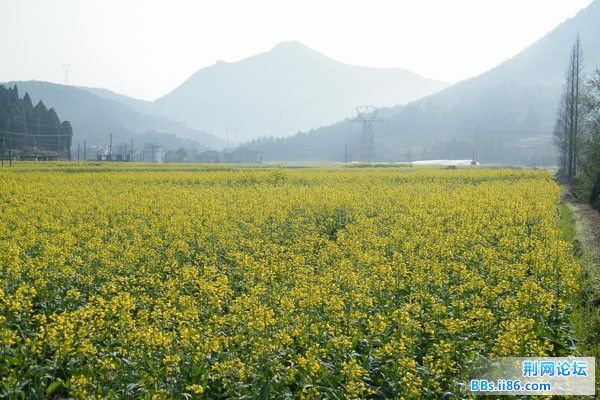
x=28, y=131
x=577, y=131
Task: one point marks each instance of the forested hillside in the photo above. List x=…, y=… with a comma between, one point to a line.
x=31, y=132
x=95, y=117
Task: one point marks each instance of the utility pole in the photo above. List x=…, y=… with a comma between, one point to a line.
x=78, y=147
x=110, y=149
x=10, y=151
x=346, y=154
x=131, y=158
x=84, y=151
x=57, y=143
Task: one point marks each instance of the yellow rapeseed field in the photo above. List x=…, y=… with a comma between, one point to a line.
x=198, y=282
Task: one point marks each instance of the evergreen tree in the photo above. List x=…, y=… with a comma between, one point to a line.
x=27, y=101
x=32, y=130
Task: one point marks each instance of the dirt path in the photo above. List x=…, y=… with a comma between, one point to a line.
x=587, y=222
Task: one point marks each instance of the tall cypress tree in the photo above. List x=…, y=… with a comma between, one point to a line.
x=566, y=133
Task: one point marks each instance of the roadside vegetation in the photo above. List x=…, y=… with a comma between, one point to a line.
x=577, y=136
x=579, y=225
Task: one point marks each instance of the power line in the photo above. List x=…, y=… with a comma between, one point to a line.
x=40, y=123
x=35, y=134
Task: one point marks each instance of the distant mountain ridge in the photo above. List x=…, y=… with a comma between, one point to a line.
x=280, y=92
x=143, y=106
x=286, y=90
x=95, y=117
x=505, y=115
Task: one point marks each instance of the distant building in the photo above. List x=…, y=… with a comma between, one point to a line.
x=208, y=157
x=446, y=162
x=243, y=156
x=152, y=153
x=113, y=157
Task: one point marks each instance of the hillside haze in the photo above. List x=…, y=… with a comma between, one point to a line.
x=505, y=115
x=288, y=89
x=95, y=114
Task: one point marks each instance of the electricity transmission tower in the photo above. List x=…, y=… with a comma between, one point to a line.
x=367, y=115
x=66, y=68
x=231, y=135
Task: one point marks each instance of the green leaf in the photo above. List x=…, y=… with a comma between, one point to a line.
x=53, y=386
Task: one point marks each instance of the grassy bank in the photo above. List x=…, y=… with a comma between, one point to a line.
x=585, y=320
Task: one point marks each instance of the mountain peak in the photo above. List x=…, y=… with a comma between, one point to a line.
x=293, y=48
x=285, y=90
x=290, y=45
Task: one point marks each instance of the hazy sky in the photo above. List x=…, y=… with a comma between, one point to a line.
x=145, y=48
